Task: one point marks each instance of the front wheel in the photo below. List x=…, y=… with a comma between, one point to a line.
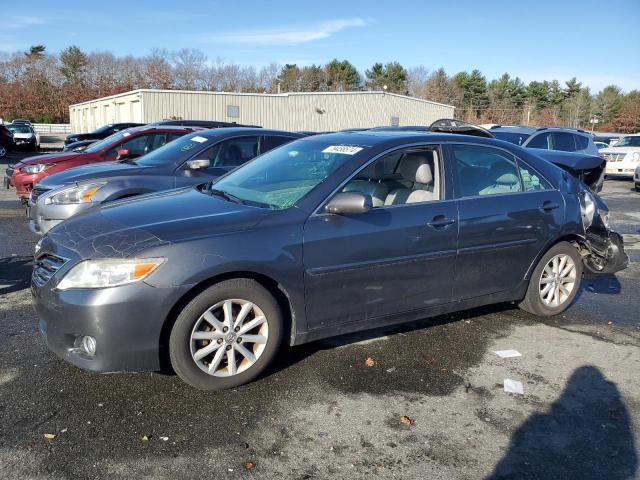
x=226, y=336
x=555, y=281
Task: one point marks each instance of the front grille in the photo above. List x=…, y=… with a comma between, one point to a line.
x=36, y=192
x=45, y=266
x=614, y=157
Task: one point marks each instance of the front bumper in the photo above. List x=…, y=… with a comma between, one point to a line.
x=125, y=321
x=43, y=217
x=24, y=182
x=622, y=168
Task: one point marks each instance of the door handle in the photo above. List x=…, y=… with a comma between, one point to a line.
x=440, y=221
x=548, y=206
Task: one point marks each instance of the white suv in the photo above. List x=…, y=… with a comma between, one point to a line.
x=623, y=157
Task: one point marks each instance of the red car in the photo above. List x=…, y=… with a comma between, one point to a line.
x=127, y=144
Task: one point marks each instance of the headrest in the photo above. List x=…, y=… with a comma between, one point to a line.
x=375, y=171
x=416, y=167
x=503, y=173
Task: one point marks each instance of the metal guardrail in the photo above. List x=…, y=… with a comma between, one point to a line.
x=53, y=128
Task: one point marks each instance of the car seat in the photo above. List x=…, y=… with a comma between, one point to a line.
x=416, y=170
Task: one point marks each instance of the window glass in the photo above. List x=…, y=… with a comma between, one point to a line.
x=136, y=146
x=541, y=141
x=582, y=142
x=564, y=141
x=399, y=178
x=236, y=151
x=281, y=177
x=157, y=140
x=484, y=171
x=532, y=180
x=631, y=141
x=272, y=141
x=515, y=138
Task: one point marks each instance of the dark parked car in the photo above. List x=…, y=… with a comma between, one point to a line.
x=191, y=160
x=7, y=142
x=547, y=138
x=322, y=236
x=78, y=146
x=100, y=133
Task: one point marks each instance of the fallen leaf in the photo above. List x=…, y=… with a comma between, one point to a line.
x=369, y=362
x=50, y=436
x=406, y=420
x=249, y=465
x=144, y=438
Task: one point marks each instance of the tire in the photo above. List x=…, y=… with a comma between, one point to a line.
x=541, y=279
x=211, y=305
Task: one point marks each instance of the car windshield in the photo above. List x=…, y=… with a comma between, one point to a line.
x=102, y=129
x=281, y=177
x=110, y=140
x=19, y=128
x=176, y=152
x=631, y=141
x=512, y=137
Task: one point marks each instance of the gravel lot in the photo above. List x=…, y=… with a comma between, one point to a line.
x=321, y=413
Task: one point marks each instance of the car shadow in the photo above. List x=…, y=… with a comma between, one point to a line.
x=15, y=273
x=601, y=283
x=586, y=434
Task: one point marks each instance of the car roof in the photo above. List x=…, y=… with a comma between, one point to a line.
x=513, y=129
x=231, y=131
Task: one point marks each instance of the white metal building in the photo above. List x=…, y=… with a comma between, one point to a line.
x=317, y=111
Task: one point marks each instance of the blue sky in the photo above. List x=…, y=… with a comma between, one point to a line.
x=596, y=41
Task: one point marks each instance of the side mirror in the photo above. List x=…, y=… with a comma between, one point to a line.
x=349, y=202
x=198, y=164
x=123, y=153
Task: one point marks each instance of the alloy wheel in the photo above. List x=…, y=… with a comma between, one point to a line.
x=557, y=281
x=229, y=337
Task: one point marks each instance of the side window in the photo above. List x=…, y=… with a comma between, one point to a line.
x=137, y=145
x=236, y=151
x=157, y=140
x=399, y=178
x=173, y=136
x=564, y=141
x=484, y=171
x=209, y=154
x=271, y=142
x=532, y=180
x=542, y=140
x=582, y=142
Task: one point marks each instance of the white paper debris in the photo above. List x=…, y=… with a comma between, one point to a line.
x=507, y=353
x=513, y=386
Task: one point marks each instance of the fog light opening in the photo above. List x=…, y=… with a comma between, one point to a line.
x=88, y=345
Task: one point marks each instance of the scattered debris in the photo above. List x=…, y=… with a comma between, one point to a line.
x=406, y=421
x=513, y=386
x=467, y=387
x=391, y=370
x=249, y=465
x=609, y=323
x=50, y=436
x=164, y=439
x=507, y=353
x=64, y=430
x=145, y=438
x=369, y=362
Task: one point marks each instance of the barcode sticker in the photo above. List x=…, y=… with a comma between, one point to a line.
x=198, y=139
x=342, y=149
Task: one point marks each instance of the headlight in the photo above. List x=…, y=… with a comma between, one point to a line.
x=37, y=168
x=108, y=272
x=636, y=156
x=587, y=208
x=76, y=194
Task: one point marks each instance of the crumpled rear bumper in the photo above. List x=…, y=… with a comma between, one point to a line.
x=607, y=253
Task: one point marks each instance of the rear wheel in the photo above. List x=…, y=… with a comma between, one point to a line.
x=226, y=336
x=555, y=281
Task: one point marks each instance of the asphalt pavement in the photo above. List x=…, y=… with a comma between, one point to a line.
x=422, y=400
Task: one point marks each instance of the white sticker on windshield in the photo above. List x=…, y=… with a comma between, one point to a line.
x=343, y=149
x=125, y=134
x=198, y=139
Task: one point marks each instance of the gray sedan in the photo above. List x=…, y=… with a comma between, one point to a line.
x=190, y=160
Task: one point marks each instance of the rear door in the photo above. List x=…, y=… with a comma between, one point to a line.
x=394, y=258
x=507, y=214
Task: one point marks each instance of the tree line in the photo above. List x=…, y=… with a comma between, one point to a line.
x=41, y=86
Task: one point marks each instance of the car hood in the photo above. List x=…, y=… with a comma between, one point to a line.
x=49, y=158
x=620, y=150
x=127, y=227
x=90, y=171
x=22, y=135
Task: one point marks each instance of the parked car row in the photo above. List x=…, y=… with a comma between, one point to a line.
x=233, y=241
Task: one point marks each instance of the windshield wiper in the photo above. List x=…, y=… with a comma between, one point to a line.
x=227, y=196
